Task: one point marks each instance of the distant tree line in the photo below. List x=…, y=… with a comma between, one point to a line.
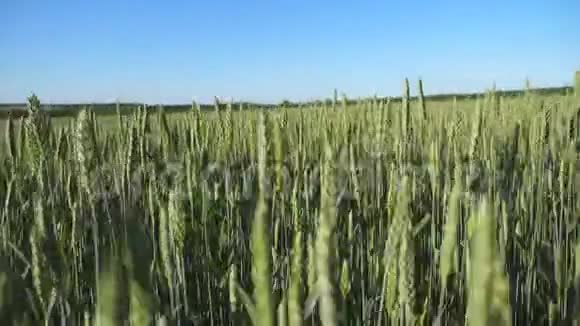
x=17, y=110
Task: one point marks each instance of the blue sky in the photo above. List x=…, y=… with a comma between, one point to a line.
x=173, y=51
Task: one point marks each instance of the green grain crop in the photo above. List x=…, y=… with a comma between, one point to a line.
x=413, y=210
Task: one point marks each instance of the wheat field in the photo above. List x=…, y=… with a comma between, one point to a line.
x=381, y=212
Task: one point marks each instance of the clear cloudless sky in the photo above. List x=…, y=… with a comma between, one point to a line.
x=174, y=51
